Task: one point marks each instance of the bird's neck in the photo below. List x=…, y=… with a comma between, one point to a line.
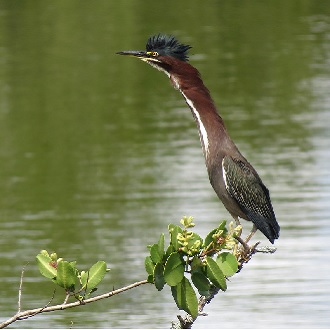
x=210, y=125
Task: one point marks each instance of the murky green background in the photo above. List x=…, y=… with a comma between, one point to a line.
x=98, y=153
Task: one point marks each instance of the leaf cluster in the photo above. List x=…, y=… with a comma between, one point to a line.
x=190, y=263
x=65, y=274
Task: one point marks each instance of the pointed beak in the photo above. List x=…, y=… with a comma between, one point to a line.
x=135, y=53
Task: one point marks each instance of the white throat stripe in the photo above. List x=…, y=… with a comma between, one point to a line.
x=201, y=127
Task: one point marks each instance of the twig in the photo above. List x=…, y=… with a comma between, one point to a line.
x=66, y=298
x=32, y=312
x=41, y=310
x=266, y=249
x=20, y=290
x=187, y=321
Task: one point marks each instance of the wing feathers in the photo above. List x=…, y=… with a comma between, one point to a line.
x=245, y=186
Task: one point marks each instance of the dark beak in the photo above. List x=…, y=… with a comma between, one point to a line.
x=136, y=53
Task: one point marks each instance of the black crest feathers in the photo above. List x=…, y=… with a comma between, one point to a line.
x=168, y=46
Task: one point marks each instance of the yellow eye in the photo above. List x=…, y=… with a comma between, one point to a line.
x=154, y=54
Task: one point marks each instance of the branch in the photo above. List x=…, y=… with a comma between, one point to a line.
x=186, y=322
x=66, y=275
x=32, y=312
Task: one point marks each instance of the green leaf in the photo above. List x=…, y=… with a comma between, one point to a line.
x=185, y=297
x=196, y=264
x=149, y=265
x=161, y=245
x=159, y=276
x=227, y=263
x=46, y=265
x=174, y=269
x=174, y=231
x=93, y=276
x=209, y=237
x=44, y=252
x=214, y=273
x=222, y=225
x=150, y=278
x=201, y=282
x=169, y=250
x=154, y=253
x=194, y=243
x=66, y=276
x=73, y=264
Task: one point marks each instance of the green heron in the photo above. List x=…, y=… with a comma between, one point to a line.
x=233, y=178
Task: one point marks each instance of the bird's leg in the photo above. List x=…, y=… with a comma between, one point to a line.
x=246, y=248
x=244, y=244
x=254, y=229
x=237, y=221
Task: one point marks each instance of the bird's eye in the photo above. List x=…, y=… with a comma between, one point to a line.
x=154, y=54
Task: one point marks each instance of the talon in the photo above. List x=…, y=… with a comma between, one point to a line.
x=245, y=251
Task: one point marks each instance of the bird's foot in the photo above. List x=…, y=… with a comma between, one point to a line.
x=245, y=251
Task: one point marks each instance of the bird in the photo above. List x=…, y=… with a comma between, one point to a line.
x=234, y=180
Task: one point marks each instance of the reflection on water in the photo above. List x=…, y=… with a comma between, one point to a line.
x=98, y=154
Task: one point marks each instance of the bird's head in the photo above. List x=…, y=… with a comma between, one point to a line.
x=162, y=51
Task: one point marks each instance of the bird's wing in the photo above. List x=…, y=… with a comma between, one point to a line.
x=245, y=186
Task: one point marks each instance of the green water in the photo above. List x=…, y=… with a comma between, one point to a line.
x=98, y=153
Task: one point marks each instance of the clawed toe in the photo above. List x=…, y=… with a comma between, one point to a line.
x=245, y=251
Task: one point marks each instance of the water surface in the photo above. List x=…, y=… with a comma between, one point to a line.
x=98, y=153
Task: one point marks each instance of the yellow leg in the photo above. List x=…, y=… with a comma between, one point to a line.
x=254, y=229
x=237, y=221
